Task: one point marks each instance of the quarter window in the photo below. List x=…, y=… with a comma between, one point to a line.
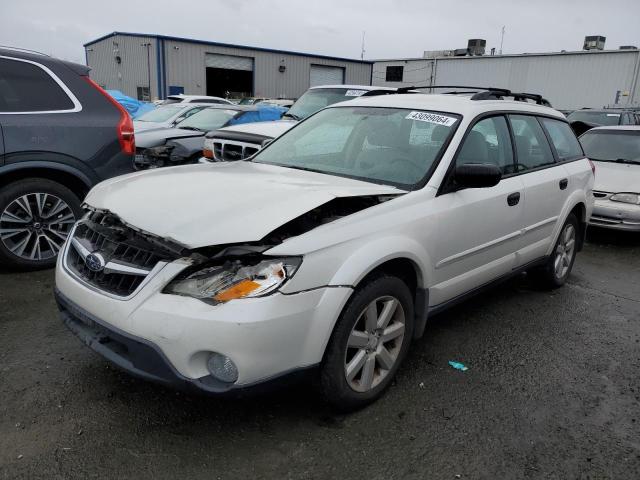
x=488, y=142
x=563, y=139
x=25, y=87
x=532, y=147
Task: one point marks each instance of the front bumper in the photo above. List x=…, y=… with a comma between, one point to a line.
x=615, y=215
x=168, y=338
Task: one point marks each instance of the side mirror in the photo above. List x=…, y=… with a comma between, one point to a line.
x=477, y=175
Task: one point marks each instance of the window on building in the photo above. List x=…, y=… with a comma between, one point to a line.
x=394, y=73
x=143, y=94
x=25, y=87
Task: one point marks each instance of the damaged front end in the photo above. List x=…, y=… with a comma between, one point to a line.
x=215, y=274
x=172, y=153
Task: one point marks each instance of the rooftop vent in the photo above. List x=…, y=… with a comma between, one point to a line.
x=476, y=46
x=628, y=47
x=594, y=42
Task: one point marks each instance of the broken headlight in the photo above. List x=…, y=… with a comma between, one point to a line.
x=235, y=279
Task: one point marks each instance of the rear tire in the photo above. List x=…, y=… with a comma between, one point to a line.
x=36, y=216
x=368, y=344
x=554, y=273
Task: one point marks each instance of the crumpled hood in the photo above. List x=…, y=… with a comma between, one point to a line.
x=617, y=177
x=158, y=136
x=221, y=203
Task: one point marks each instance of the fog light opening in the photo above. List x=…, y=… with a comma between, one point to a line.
x=222, y=367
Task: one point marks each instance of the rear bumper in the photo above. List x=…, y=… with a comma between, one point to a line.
x=143, y=359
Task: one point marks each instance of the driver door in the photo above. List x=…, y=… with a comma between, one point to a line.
x=479, y=228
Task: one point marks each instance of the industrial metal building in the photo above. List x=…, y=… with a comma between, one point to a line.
x=154, y=66
x=569, y=80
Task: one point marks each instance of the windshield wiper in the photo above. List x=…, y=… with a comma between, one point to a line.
x=192, y=128
x=292, y=115
x=624, y=160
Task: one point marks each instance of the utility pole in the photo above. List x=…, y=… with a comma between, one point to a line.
x=362, y=51
x=148, y=45
x=501, y=39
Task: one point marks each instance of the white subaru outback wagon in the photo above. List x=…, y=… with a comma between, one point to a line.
x=327, y=251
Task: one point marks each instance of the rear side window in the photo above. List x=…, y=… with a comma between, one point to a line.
x=563, y=139
x=488, y=142
x=25, y=87
x=532, y=147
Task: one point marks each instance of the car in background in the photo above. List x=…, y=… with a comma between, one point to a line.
x=616, y=152
x=587, y=118
x=326, y=253
x=251, y=100
x=283, y=102
x=166, y=116
x=182, y=98
x=60, y=134
x=250, y=139
x=183, y=143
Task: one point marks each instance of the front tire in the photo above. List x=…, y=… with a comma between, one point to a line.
x=554, y=273
x=368, y=344
x=36, y=216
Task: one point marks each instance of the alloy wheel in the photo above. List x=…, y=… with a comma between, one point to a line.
x=34, y=226
x=564, y=251
x=374, y=344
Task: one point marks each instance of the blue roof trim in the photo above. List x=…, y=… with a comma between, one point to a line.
x=228, y=45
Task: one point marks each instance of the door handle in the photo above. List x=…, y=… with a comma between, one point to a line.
x=563, y=183
x=513, y=199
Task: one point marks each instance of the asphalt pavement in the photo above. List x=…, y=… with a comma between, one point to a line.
x=552, y=390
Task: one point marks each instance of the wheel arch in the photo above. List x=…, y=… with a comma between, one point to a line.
x=70, y=177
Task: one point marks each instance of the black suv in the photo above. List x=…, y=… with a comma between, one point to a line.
x=60, y=134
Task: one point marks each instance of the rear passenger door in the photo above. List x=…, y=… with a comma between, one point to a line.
x=546, y=186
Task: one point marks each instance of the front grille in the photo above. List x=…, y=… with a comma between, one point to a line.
x=126, y=253
x=231, y=151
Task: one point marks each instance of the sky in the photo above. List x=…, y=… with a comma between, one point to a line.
x=394, y=28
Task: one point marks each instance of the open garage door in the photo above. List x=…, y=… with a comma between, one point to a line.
x=323, y=75
x=229, y=75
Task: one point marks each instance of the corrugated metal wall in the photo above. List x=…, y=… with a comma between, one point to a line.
x=129, y=74
x=185, y=66
x=568, y=81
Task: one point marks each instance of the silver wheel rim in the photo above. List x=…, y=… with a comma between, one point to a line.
x=564, y=251
x=374, y=343
x=36, y=225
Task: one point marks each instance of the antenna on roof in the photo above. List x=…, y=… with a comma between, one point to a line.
x=362, y=51
x=501, y=39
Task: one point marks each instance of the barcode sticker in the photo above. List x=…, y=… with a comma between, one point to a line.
x=432, y=118
x=355, y=93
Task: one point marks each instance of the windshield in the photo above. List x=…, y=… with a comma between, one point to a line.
x=208, y=119
x=318, y=98
x=612, y=145
x=160, y=114
x=598, y=118
x=380, y=145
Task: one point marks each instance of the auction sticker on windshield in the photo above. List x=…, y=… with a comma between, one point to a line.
x=354, y=93
x=431, y=118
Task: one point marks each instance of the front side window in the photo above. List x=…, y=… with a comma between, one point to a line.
x=208, y=119
x=488, y=142
x=532, y=147
x=612, y=145
x=563, y=139
x=379, y=145
x=25, y=87
x=394, y=73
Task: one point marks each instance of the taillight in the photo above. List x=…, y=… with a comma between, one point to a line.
x=207, y=153
x=124, y=128
x=593, y=167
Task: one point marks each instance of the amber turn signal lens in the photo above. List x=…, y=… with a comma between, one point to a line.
x=239, y=290
x=207, y=153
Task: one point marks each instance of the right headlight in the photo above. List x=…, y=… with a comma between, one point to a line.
x=241, y=278
x=633, y=198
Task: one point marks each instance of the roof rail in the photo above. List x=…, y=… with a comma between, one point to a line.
x=485, y=93
x=26, y=50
